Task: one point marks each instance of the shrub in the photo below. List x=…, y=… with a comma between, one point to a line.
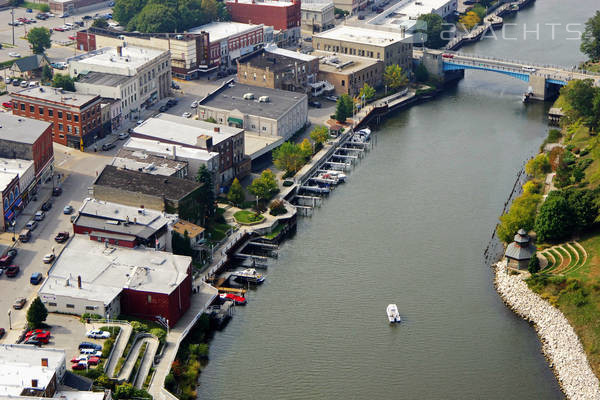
x=277, y=207
x=533, y=186
x=554, y=136
x=538, y=166
x=521, y=215
x=554, y=157
x=107, y=347
x=534, y=265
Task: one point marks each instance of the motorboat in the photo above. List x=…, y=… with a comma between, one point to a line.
x=393, y=314
x=238, y=300
x=364, y=133
x=249, y=275
x=339, y=176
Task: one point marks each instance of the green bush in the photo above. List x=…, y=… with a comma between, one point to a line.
x=107, y=347
x=534, y=265
x=277, y=207
x=554, y=136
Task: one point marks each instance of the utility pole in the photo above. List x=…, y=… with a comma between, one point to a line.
x=12, y=13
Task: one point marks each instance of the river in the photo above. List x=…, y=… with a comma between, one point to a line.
x=409, y=227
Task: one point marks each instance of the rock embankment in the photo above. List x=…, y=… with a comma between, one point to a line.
x=560, y=344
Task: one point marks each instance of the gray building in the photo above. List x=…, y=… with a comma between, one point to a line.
x=519, y=252
x=150, y=163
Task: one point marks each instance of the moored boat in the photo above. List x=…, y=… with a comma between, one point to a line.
x=238, y=300
x=249, y=275
x=393, y=314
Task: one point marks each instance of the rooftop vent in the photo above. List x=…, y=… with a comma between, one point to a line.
x=248, y=96
x=263, y=99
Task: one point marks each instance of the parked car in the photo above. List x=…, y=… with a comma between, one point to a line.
x=7, y=80
x=39, y=216
x=86, y=17
x=447, y=55
x=57, y=191
x=79, y=366
x=314, y=103
x=89, y=345
x=98, y=334
x=186, y=115
x=29, y=10
x=34, y=341
x=36, y=277
x=123, y=135
x=24, y=84
x=59, y=29
x=93, y=360
x=36, y=332
x=48, y=258
x=6, y=104
x=8, y=258
x=2, y=332
x=332, y=98
x=64, y=15
x=162, y=108
x=172, y=102
x=47, y=206
x=194, y=104
x=79, y=358
x=25, y=235
x=68, y=209
x=91, y=352
x=79, y=23
x=19, y=303
x=139, y=122
x=12, y=270
x=62, y=237
x=72, y=38
x=31, y=225
x=108, y=146
x=14, y=54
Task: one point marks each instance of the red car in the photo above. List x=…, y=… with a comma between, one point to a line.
x=238, y=300
x=7, y=104
x=37, y=332
x=71, y=37
x=59, y=29
x=12, y=271
x=93, y=360
x=447, y=55
x=79, y=365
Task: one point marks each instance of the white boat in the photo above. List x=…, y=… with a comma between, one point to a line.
x=365, y=134
x=249, y=275
x=341, y=177
x=393, y=314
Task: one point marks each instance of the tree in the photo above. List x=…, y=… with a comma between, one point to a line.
x=289, y=157
x=479, y=10
x=590, y=40
x=320, y=134
x=432, y=27
x=236, y=193
x=100, y=23
x=46, y=73
x=306, y=149
x=125, y=10
x=534, y=265
x=554, y=221
x=563, y=174
x=580, y=95
x=155, y=17
x=39, y=39
x=421, y=73
x=37, y=313
x=63, y=81
x=366, y=92
x=181, y=244
x=469, y=20
x=520, y=215
x=124, y=391
x=265, y=186
x=538, y=166
x=206, y=194
x=394, y=77
x=43, y=7
x=582, y=203
x=343, y=108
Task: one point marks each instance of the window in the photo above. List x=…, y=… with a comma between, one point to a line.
x=90, y=308
x=69, y=128
x=68, y=116
x=77, y=130
x=60, y=114
x=264, y=128
x=149, y=298
x=75, y=117
x=70, y=305
x=52, y=304
x=31, y=109
x=41, y=110
x=60, y=127
x=50, y=112
x=343, y=82
x=22, y=106
x=61, y=136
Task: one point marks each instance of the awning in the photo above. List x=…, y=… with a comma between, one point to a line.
x=18, y=202
x=235, y=121
x=9, y=216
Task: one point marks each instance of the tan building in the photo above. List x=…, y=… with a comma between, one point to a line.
x=348, y=74
x=318, y=16
x=352, y=6
x=277, y=68
x=391, y=47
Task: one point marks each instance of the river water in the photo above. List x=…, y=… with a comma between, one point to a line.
x=409, y=227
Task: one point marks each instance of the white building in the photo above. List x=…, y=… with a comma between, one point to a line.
x=139, y=77
x=24, y=169
x=318, y=16
x=404, y=14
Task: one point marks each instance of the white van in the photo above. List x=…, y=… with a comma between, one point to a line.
x=33, y=84
x=113, y=24
x=69, y=24
x=529, y=69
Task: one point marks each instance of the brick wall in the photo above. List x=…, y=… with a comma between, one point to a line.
x=279, y=17
x=134, y=199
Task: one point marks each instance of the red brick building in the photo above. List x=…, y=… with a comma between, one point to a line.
x=75, y=117
x=281, y=15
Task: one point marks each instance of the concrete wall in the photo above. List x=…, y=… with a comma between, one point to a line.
x=134, y=199
x=351, y=83
x=76, y=306
x=319, y=20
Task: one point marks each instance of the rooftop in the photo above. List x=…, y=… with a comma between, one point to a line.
x=342, y=63
x=184, y=130
x=218, y=31
x=192, y=230
x=21, y=363
x=229, y=97
x=275, y=62
x=79, y=395
x=126, y=63
x=273, y=49
x=108, y=270
x=317, y=6
x=57, y=96
x=273, y=3
x=21, y=129
x=166, y=149
x=10, y=168
x=367, y=36
x=416, y=8
x=102, y=79
x=148, y=163
x=154, y=185
x=120, y=218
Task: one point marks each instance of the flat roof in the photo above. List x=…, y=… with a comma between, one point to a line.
x=21, y=129
x=183, y=226
x=231, y=98
x=154, y=185
x=272, y=48
x=108, y=270
x=20, y=363
x=416, y=8
x=11, y=168
x=102, y=79
x=356, y=34
x=317, y=6
x=55, y=95
x=79, y=395
x=148, y=163
x=274, y=3
x=218, y=31
x=184, y=130
x=342, y=63
x=158, y=147
x=131, y=57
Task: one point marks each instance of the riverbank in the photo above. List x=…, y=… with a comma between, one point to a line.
x=560, y=343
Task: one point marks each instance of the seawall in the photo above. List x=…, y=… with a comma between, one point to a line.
x=560, y=343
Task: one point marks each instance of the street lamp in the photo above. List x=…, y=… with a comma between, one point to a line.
x=9, y=321
x=13, y=224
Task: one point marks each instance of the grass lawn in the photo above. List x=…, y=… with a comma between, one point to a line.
x=218, y=232
x=274, y=232
x=248, y=217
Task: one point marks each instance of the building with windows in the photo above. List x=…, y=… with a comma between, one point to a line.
x=352, y=6
x=98, y=278
x=27, y=139
x=390, y=46
x=226, y=140
x=122, y=225
x=282, y=15
x=139, y=77
x=278, y=68
x=189, y=52
x=348, y=74
x=75, y=117
x=150, y=163
x=228, y=41
x=318, y=16
x=16, y=176
x=403, y=15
